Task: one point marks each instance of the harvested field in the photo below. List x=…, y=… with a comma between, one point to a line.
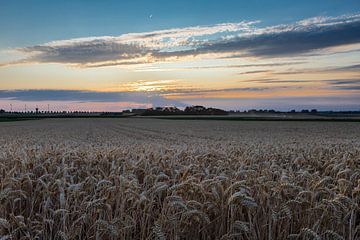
x=186, y=179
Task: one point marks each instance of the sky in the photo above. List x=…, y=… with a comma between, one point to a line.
x=89, y=55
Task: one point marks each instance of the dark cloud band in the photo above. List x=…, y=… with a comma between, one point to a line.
x=87, y=96
x=241, y=39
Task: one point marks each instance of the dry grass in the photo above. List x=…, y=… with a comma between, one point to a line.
x=159, y=179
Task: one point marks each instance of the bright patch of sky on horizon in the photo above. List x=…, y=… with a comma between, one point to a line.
x=114, y=55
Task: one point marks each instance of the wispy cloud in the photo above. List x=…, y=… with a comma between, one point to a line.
x=343, y=81
x=349, y=68
x=348, y=87
x=247, y=65
x=274, y=80
x=242, y=38
x=335, y=84
x=254, y=72
x=344, y=84
x=192, y=92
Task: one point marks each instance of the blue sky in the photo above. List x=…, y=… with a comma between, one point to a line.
x=36, y=21
x=228, y=54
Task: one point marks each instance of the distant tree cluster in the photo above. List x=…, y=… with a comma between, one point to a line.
x=261, y=111
x=190, y=110
x=200, y=110
x=111, y=114
x=309, y=111
x=273, y=111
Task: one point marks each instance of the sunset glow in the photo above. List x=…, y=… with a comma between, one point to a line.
x=231, y=61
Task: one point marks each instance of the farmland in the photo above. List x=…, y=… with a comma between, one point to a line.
x=134, y=178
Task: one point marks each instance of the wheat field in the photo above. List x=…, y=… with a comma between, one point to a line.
x=179, y=179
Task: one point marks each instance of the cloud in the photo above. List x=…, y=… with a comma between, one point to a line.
x=333, y=83
x=343, y=81
x=93, y=52
x=191, y=92
x=338, y=102
x=349, y=87
x=241, y=39
x=255, y=72
x=351, y=68
x=345, y=84
x=302, y=37
x=127, y=49
x=247, y=65
x=274, y=80
x=157, y=97
x=87, y=96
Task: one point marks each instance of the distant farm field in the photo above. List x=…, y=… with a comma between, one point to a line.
x=143, y=178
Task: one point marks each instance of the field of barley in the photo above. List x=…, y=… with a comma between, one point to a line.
x=179, y=179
